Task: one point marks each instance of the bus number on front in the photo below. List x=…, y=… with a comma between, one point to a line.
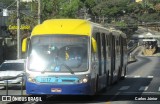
x=45, y=79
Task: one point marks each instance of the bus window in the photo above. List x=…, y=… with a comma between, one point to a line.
x=109, y=46
x=98, y=39
x=73, y=56
x=61, y=52
x=104, y=51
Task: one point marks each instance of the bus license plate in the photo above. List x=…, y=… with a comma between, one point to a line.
x=56, y=90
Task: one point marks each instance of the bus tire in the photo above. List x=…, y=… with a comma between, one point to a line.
x=110, y=79
x=97, y=78
x=107, y=81
x=124, y=72
x=119, y=73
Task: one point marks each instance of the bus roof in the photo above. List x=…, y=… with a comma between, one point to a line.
x=63, y=26
x=70, y=26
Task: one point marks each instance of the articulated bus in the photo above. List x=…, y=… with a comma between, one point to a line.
x=73, y=57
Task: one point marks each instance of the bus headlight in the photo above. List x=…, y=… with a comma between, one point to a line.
x=84, y=80
x=31, y=79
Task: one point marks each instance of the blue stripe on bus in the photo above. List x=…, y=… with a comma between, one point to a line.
x=71, y=89
x=56, y=79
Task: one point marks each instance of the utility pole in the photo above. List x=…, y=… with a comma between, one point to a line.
x=39, y=11
x=18, y=32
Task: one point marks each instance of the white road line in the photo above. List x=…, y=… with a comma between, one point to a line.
x=137, y=76
x=1, y=87
x=159, y=89
x=124, y=87
x=149, y=76
x=143, y=88
x=115, y=96
x=141, y=92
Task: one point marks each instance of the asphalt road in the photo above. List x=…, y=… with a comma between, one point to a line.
x=142, y=81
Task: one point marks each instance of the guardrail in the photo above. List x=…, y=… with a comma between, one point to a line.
x=131, y=56
x=130, y=49
x=6, y=78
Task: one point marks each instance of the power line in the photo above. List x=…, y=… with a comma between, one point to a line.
x=11, y=4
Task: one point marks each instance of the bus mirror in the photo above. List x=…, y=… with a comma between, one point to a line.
x=94, y=45
x=24, y=45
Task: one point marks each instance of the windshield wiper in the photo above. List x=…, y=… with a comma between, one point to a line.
x=72, y=72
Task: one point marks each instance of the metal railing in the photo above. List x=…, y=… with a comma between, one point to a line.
x=7, y=84
x=130, y=49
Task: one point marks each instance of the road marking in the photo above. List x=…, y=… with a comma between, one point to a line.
x=137, y=76
x=149, y=76
x=143, y=88
x=141, y=92
x=1, y=87
x=108, y=102
x=115, y=96
x=159, y=89
x=124, y=87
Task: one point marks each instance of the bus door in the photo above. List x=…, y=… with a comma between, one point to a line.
x=121, y=54
x=104, y=57
x=113, y=58
x=100, y=60
x=125, y=57
x=117, y=56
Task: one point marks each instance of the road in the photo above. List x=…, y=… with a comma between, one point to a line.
x=142, y=81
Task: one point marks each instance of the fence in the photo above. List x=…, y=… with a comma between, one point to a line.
x=7, y=84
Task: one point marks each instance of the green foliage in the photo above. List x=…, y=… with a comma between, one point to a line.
x=147, y=17
x=121, y=24
x=134, y=8
x=6, y=3
x=111, y=10
x=49, y=8
x=69, y=9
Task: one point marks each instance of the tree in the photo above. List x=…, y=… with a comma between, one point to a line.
x=157, y=7
x=70, y=8
x=111, y=8
x=50, y=9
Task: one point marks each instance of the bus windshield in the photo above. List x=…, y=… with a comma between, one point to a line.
x=59, y=53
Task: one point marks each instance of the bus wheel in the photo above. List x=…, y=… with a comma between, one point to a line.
x=119, y=73
x=97, y=79
x=110, y=78
x=107, y=81
x=123, y=72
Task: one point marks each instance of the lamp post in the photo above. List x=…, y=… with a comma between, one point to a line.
x=18, y=32
x=39, y=11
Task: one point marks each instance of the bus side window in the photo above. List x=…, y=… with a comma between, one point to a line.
x=117, y=45
x=98, y=39
x=109, y=46
x=104, y=52
x=94, y=54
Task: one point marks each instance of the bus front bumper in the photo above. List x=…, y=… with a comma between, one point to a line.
x=59, y=89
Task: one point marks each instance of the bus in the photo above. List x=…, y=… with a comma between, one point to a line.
x=73, y=57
